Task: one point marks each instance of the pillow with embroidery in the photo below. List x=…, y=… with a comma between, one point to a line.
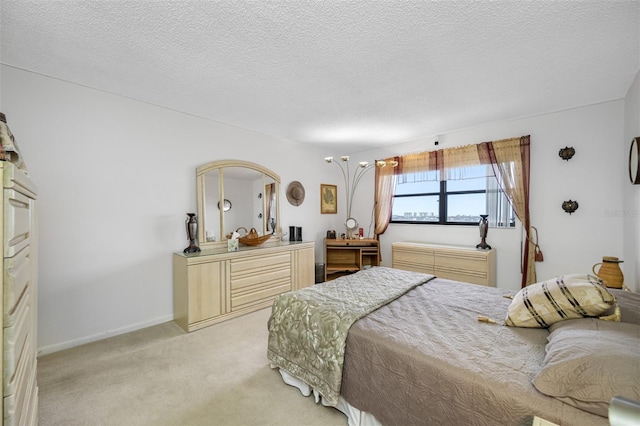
x=565, y=297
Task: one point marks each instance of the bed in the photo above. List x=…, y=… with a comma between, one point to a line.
x=421, y=356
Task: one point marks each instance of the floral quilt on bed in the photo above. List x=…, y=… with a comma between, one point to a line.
x=308, y=328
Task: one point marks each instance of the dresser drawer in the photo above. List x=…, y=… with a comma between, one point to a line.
x=16, y=342
x=17, y=275
x=18, y=405
x=258, y=264
x=259, y=280
x=416, y=259
x=259, y=270
x=29, y=412
x=250, y=289
x=263, y=293
x=414, y=267
x=17, y=222
x=14, y=178
x=462, y=260
x=408, y=255
x=466, y=276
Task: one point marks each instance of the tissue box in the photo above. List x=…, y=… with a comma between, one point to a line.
x=232, y=244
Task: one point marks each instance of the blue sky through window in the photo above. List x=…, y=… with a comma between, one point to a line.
x=461, y=208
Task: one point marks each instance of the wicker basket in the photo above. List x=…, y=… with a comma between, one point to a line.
x=252, y=238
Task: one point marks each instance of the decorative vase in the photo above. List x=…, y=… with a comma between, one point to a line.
x=192, y=233
x=484, y=229
x=610, y=272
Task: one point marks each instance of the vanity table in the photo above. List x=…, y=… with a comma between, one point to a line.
x=346, y=256
x=215, y=284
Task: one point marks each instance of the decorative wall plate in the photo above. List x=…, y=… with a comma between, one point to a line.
x=227, y=205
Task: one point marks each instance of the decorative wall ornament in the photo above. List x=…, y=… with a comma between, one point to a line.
x=567, y=153
x=295, y=193
x=570, y=206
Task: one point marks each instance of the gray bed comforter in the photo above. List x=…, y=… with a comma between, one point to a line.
x=424, y=359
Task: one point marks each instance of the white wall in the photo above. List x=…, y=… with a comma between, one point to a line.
x=631, y=208
x=115, y=179
x=570, y=243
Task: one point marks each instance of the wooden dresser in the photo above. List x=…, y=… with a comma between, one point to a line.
x=216, y=285
x=19, y=309
x=459, y=263
x=342, y=256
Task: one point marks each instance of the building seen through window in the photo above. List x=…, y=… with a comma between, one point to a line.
x=459, y=200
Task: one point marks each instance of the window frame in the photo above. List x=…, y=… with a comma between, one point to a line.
x=442, y=206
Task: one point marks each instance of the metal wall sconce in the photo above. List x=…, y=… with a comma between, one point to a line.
x=570, y=206
x=567, y=153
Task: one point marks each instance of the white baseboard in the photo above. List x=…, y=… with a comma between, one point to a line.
x=99, y=336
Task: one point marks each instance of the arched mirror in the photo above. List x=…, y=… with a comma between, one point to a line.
x=234, y=194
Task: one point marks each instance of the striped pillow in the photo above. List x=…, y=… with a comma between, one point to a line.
x=569, y=296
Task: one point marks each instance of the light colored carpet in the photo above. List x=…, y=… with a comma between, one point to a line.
x=219, y=375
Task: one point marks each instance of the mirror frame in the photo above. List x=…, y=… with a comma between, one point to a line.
x=351, y=224
x=200, y=192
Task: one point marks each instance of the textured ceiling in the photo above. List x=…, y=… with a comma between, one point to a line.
x=354, y=73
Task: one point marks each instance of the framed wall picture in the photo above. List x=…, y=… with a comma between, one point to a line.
x=328, y=199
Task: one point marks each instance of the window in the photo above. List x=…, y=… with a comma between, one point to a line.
x=453, y=201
